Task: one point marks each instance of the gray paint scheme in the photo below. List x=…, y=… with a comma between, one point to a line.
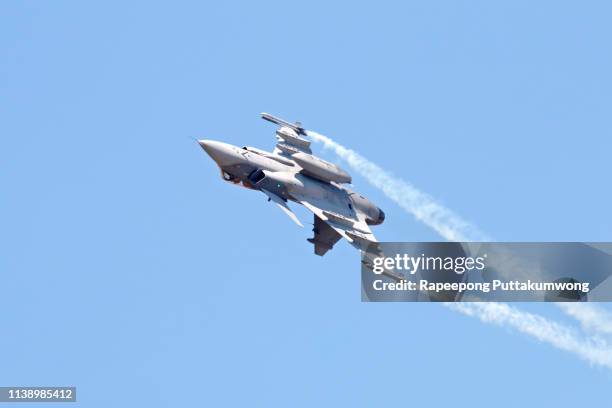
x=307, y=180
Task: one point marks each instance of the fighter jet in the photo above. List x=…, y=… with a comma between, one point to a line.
x=292, y=173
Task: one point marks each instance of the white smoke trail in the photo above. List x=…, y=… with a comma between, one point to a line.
x=592, y=349
x=592, y=318
x=424, y=208
x=453, y=228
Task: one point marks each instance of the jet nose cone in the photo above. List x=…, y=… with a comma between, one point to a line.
x=222, y=153
x=207, y=145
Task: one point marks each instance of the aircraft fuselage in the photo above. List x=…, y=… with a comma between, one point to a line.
x=260, y=170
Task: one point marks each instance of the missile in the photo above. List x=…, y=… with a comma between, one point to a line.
x=297, y=126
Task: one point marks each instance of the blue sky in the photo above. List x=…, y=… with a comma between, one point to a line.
x=131, y=271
